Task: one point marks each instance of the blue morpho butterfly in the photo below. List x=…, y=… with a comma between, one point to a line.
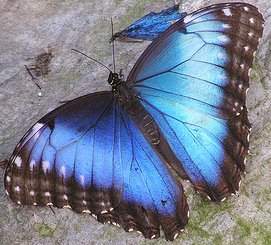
x=114, y=154
x=150, y=26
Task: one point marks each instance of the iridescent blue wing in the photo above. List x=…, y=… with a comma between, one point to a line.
x=150, y=26
x=89, y=156
x=193, y=79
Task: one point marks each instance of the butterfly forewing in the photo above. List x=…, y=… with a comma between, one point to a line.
x=89, y=156
x=193, y=80
x=150, y=26
x=50, y=164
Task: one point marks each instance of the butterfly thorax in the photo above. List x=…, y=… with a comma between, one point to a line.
x=122, y=92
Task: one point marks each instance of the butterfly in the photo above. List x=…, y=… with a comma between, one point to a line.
x=150, y=26
x=181, y=112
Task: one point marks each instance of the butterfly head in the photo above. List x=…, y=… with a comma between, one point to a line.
x=114, y=79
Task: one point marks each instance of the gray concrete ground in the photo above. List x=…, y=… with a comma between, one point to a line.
x=26, y=28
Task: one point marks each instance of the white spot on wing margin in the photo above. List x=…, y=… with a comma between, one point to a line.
x=18, y=161
x=45, y=166
x=246, y=8
x=227, y=12
x=251, y=20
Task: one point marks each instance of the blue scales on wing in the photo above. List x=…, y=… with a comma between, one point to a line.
x=89, y=156
x=150, y=26
x=193, y=80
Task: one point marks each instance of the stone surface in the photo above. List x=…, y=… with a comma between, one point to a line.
x=26, y=28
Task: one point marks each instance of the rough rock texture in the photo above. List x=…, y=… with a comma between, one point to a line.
x=26, y=28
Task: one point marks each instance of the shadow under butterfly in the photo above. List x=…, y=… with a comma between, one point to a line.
x=182, y=109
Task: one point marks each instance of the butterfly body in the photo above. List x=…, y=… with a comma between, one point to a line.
x=114, y=154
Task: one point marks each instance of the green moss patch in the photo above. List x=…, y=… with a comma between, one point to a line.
x=45, y=230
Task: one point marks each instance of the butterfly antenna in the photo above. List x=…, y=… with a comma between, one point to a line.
x=113, y=45
x=92, y=59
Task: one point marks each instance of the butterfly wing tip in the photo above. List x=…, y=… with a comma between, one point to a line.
x=173, y=228
x=174, y=234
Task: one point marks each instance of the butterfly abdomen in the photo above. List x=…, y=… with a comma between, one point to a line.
x=145, y=123
x=142, y=118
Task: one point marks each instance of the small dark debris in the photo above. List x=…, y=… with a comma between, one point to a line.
x=41, y=65
x=163, y=202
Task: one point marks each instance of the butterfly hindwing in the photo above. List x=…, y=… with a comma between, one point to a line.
x=149, y=183
x=88, y=155
x=193, y=80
